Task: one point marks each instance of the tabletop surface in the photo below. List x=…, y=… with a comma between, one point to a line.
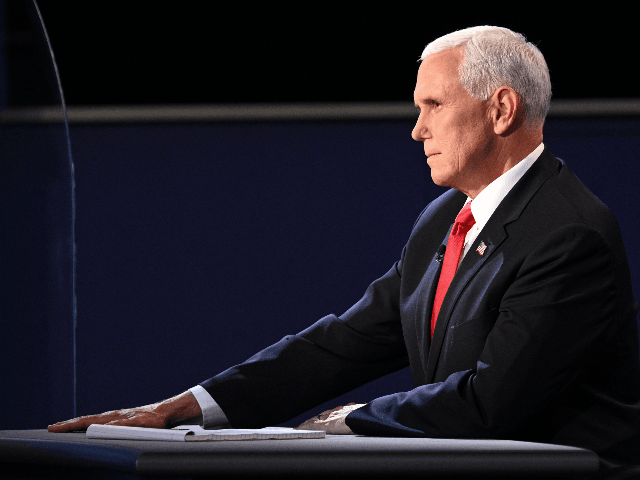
x=334, y=455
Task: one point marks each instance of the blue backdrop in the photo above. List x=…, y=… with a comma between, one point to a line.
x=199, y=244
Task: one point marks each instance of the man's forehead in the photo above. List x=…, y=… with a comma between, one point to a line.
x=445, y=62
x=438, y=70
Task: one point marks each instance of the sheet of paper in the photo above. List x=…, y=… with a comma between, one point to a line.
x=194, y=433
x=114, y=432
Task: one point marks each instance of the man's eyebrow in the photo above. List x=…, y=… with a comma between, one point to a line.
x=425, y=101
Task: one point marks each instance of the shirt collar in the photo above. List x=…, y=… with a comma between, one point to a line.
x=486, y=202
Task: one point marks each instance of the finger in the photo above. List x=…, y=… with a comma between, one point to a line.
x=138, y=421
x=314, y=423
x=333, y=427
x=82, y=423
x=310, y=425
x=327, y=413
x=66, y=426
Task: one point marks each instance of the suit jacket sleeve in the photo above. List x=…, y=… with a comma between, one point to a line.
x=331, y=357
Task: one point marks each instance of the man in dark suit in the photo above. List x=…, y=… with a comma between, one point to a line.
x=511, y=301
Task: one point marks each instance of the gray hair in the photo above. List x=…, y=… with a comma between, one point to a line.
x=496, y=56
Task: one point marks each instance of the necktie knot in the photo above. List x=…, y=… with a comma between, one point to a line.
x=464, y=221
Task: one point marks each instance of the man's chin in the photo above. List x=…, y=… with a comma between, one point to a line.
x=440, y=174
x=439, y=179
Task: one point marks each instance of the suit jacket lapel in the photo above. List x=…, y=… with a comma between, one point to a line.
x=423, y=329
x=493, y=234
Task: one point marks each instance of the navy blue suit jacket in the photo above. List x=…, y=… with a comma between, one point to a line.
x=536, y=338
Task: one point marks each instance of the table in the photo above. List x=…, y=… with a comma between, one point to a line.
x=40, y=454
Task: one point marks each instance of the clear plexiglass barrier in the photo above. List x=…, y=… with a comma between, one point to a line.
x=37, y=302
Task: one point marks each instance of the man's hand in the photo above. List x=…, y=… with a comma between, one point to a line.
x=331, y=421
x=165, y=414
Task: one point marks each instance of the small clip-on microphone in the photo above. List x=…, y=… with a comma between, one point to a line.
x=440, y=255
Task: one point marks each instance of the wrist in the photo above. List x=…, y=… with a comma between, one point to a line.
x=183, y=408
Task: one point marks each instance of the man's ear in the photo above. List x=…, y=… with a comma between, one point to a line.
x=504, y=109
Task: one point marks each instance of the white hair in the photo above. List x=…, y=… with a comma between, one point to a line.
x=496, y=56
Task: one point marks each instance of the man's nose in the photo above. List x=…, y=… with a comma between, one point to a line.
x=419, y=131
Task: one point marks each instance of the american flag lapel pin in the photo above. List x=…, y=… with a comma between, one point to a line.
x=481, y=248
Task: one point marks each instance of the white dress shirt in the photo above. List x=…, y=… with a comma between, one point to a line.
x=486, y=202
x=482, y=207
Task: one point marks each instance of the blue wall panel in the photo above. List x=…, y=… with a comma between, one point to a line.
x=198, y=245
x=36, y=276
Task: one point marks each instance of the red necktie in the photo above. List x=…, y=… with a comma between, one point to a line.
x=464, y=222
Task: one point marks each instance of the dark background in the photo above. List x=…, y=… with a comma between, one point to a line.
x=135, y=52
x=198, y=244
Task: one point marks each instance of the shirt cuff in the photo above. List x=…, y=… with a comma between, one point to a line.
x=212, y=414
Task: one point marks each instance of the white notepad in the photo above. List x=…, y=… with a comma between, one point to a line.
x=195, y=433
